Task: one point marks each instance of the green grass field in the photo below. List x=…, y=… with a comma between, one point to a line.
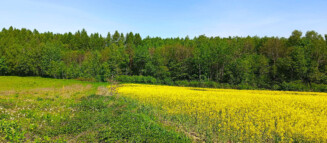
x=34, y=109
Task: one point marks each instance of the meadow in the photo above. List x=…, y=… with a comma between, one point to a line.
x=228, y=115
x=34, y=109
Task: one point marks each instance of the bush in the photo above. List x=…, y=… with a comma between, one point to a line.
x=182, y=82
x=275, y=87
x=247, y=86
x=150, y=79
x=319, y=87
x=194, y=83
x=299, y=86
x=136, y=79
x=99, y=78
x=224, y=85
x=212, y=84
x=168, y=81
x=294, y=86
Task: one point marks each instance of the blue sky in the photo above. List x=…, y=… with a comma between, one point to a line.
x=168, y=18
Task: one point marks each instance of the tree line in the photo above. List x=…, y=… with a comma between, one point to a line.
x=298, y=62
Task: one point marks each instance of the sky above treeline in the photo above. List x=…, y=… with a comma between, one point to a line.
x=168, y=18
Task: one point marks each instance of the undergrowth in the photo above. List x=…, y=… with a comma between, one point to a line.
x=73, y=112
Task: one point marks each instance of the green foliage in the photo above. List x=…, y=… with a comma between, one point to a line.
x=182, y=83
x=241, y=62
x=53, y=110
x=124, y=125
x=11, y=130
x=136, y=79
x=167, y=81
x=3, y=66
x=299, y=86
x=210, y=84
x=50, y=60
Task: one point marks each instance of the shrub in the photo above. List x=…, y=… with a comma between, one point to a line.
x=275, y=87
x=150, y=79
x=247, y=86
x=194, y=83
x=212, y=84
x=294, y=86
x=182, y=82
x=319, y=87
x=136, y=79
x=168, y=81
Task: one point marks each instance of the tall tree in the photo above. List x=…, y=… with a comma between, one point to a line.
x=263, y=62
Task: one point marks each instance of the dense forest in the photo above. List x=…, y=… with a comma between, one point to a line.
x=298, y=62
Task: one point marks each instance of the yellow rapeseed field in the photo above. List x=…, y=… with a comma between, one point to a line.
x=239, y=115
